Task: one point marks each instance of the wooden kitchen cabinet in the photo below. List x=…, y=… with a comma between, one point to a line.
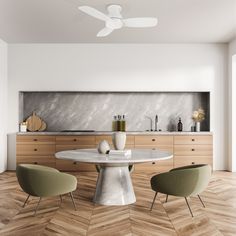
x=72, y=143
x=193, y=149
x=187, y=150
x=163, y=143
x=37, y=149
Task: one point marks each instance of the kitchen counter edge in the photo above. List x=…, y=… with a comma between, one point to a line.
x=110, y=132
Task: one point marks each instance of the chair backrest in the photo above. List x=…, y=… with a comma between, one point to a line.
x=27, y=175
x=183, y=181
x=200, y=176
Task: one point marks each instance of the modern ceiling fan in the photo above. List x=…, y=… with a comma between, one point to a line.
x=114, y=20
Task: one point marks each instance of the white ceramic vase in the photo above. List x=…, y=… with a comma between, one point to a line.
x=119, y=140
x=198, y=126
x=103, y=147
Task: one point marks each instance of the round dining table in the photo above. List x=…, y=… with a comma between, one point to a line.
x=114, y=184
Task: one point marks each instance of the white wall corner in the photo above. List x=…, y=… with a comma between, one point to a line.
x=232, y=107
x=3, y=104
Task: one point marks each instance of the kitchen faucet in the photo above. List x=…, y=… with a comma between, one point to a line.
x=150, y=123
x=156, y=121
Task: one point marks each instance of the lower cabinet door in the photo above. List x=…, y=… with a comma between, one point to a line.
x=154, y=167
x=191, y=160
x=37, y=160
x=65, y=165
x=157, y=166
x=83, y=167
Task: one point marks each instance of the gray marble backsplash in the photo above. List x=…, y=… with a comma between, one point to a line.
x=95, y=110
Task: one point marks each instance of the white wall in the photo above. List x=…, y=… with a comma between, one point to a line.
x=232, y=106
x=123, y=67
x=3, y=106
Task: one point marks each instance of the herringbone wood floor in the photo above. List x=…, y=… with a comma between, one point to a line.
x=171, y=218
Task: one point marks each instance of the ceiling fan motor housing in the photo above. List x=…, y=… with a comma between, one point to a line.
x=114, y=11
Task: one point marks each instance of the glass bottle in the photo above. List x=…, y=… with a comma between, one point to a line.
x=180, y=125
x=114, y=124
x=123, y=123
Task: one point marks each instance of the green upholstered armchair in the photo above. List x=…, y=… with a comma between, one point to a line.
x=42, y=181
x=183, y=182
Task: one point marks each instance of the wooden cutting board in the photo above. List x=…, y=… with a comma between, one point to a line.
x=43, y=126
x=34, y=122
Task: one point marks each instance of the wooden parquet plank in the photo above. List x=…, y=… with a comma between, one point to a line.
x=171, y=218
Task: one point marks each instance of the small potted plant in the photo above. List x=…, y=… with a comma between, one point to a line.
x=198, y=117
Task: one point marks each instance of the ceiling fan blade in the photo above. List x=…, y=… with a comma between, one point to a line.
x=94, y=13
x=104, y=32
x=140, y=22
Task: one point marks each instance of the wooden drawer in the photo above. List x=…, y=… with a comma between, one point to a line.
x=71, y=140
x=74, y=166
x=153, y=140
x=191, y=160
x=193, y=150
x=73, y=147
x=193, y=139
x=158, y=147
x=66, y=165
x=37, y=139
x=158, y=166
x=108, y=138
x=155, y=167
x=35, y=149
x=39, y=160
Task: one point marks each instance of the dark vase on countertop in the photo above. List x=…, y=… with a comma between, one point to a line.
x=180, y=125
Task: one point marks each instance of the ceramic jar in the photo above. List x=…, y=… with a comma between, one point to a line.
x=103, y=147
x=119, y=140
x=198, y=126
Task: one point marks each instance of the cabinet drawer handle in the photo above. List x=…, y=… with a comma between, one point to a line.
x=153, y=163
x=35, y=149
x=193, y=139
x=193, y=149
x=153, y=148
x=153, y=140
x=35, y=139
x=35, y=162
x=75, y=140
x=74, y=162
x=193, y=163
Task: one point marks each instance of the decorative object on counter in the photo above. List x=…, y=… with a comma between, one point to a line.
x=23, y=127
x=43, y=126
x=35, y=123
x=119, y=140
x=180, y=125
x=103, y=147
x=198, y=117
x=119, y=123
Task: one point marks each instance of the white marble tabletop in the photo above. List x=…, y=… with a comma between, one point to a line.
x=92, y=156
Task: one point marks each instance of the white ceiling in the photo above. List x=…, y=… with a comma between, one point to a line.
x=60, y=21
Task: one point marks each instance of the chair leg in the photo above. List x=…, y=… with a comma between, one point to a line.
x=61, y=198
x=188, y=206
x=153, y=201
x=167, y=197
x=72, y=198
x=201, y=201
x=26, y=200
x=37, y=206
